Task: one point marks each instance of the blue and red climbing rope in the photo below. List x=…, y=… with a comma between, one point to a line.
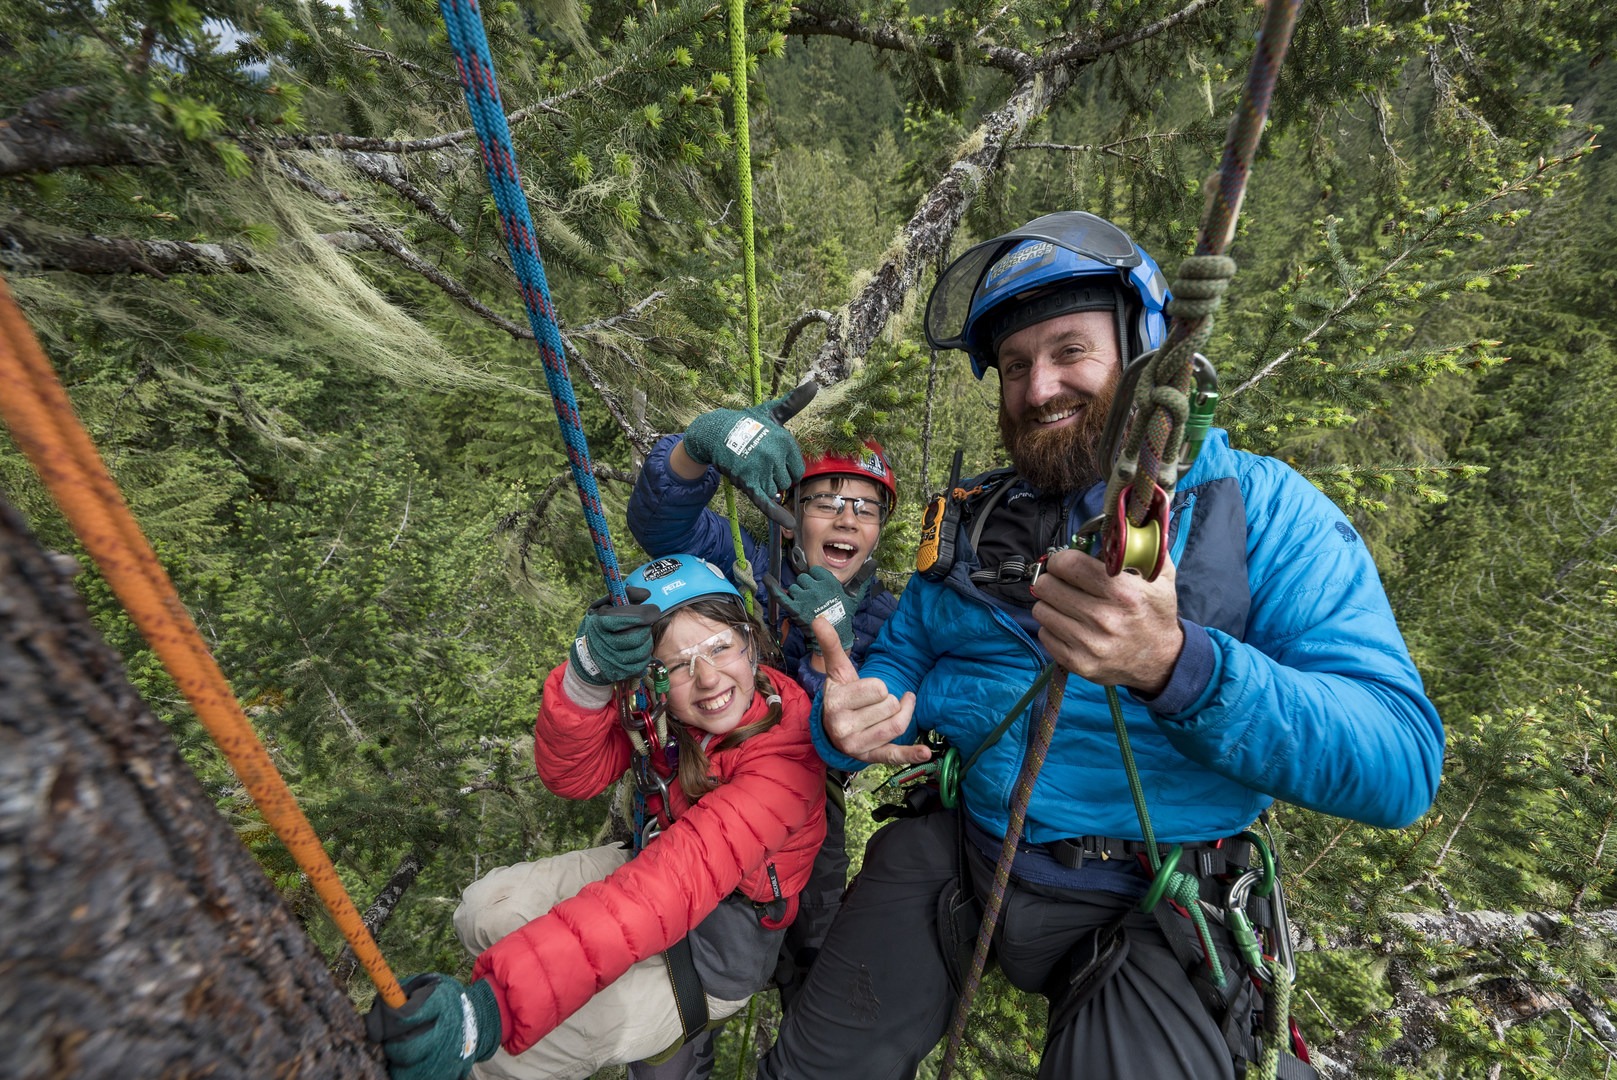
x=476, y=67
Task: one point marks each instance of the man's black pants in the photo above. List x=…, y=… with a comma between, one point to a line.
x=880, y=996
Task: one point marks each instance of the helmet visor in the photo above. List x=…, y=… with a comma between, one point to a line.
x=1084, y=234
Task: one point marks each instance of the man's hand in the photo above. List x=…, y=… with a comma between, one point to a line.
x=754, y=449
x=860, y=717
x=1113, y=631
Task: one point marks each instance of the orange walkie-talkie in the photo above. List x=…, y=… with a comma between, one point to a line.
x=938, y=527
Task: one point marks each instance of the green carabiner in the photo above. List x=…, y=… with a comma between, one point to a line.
x=1268, y=861
x=1203, y=401
x=1164, y=878
x=949, y=778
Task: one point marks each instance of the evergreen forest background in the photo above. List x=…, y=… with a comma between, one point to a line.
x=255, y=237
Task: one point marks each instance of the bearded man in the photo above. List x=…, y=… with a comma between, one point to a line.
x=1263, y=663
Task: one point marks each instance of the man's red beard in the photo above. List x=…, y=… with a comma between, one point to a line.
x=1064, y=459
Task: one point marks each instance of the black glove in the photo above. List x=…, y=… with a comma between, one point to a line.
x=752, y=448
x=440, y=1032
x=614, y=640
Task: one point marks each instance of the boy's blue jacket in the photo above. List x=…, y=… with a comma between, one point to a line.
x=1303, y=690
x=668, y=515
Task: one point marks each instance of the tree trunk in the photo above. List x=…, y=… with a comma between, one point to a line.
x=138, y=938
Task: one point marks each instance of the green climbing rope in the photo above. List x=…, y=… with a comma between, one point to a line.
x=749, y=263
x=1169, y=882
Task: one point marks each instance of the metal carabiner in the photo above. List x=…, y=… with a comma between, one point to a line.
x=1203, y=400
x=945, y=767
x=1246, y=937
x=1282, y=931
x=652, y=829
x=647, y=781
x=1240, y=926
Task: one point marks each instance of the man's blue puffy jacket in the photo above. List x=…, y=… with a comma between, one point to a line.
x=669, y=515
x=1312, y=697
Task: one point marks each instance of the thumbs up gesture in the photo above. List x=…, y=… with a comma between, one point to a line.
x=860, y=717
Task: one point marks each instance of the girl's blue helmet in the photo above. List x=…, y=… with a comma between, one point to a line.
x=676, y=580
x=1054, y=265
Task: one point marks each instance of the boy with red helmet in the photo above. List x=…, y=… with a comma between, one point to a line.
x=830, y=518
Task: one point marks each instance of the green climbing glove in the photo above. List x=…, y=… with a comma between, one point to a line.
x=752, y=448
x=614, y=640
x=817, y=592
x=440, y=1032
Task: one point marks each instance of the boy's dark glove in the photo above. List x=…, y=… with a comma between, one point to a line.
x=440, y=1032
x=752, y=448
x=614, y=640
x=817, y=592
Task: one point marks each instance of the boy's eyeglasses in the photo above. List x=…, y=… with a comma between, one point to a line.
x=825, y=504
x=728, y=646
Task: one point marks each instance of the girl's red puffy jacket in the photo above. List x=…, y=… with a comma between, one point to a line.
x=764, y=823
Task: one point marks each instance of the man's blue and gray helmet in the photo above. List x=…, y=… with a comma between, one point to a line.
x=1054, y=265
x=676, y=580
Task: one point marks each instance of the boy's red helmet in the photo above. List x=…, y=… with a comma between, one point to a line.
x=869, y=464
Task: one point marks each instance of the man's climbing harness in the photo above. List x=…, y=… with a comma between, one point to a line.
x=41, y=418
x=1152, y=449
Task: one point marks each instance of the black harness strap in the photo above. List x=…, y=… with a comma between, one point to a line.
x=689, y=999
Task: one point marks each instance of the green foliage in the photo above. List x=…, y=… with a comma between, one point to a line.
x=348, y=463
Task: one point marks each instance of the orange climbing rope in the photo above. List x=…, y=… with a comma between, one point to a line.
x=36, y=408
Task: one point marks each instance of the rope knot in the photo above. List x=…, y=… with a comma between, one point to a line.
x=1200, y=286
x=1183, y=890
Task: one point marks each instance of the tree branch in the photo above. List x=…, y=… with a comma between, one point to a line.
x=930, y=229
x=1084, y=52
x=385, y=169
x=380, y=911
x=24, y=248
x=633, y=311
x=339, y=141
x=405, y=65
x=801, y=323
x=37, y=139
x=639, y=435
x=395, y=247
x=1539, y=989
x=1474, y=929
x=808, y=21
x=528, y=524
x=1115, y=149
x=928, y=232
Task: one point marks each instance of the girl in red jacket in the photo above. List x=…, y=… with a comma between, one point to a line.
x=572, y=974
